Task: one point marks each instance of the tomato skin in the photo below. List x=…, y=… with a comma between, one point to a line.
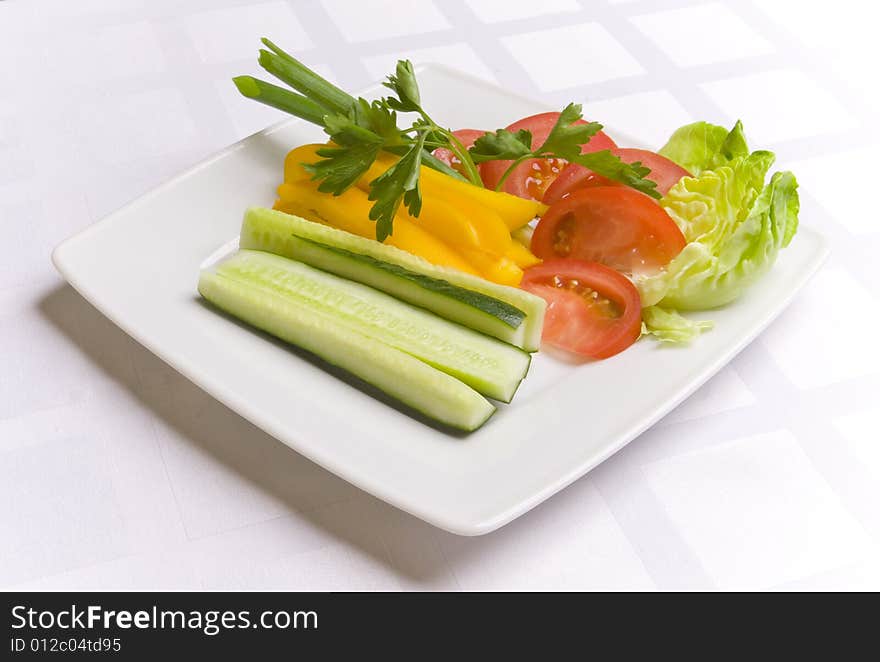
x=579, y=321
x=532, y=177
x=572, y=178
x=615, y=225
x=467, y=137
x=663, y=171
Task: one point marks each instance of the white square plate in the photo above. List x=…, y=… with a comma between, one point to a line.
x=140, y=266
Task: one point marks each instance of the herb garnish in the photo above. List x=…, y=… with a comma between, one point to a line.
x=360, y=129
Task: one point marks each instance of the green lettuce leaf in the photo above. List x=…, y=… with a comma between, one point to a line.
x=712, y=274
x=708, y=208
x=702, y=146
x=668, y=326
x=733, y=223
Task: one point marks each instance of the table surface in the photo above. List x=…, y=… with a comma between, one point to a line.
x=118, y=473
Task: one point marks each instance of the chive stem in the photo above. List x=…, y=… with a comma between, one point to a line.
x=280, y=98
x=291, y=71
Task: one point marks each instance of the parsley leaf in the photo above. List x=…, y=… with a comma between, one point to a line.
x=358, y=137
x=377, y=118
x=564, y=141
x=342, y=167
x=502, y=144
x=608, y=165
x=403, y=83
x=343, y=130
x=349, y=158
x=566, y=137
x=399, y=182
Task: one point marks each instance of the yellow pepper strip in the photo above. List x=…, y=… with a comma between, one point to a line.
x=293, y=170
x=456, y=219
x=458, y=222
x=500, y=270
x=521, y=256
x=523, y=235
x=454, y=230
x=514, y=211
x=350, y=212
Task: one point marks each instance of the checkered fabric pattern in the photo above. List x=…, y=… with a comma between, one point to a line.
x=116, y=472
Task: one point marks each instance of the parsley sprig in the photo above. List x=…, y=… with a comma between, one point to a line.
x=360, y=129
x=564, y=142
x=408, y=99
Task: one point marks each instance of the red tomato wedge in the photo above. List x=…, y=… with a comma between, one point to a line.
x=663, y=171
x=531, y=178
x=592, y=311
x=467, y=138
x=615, y=225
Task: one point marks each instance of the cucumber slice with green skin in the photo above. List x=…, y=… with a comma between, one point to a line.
x=489, y=366
x=400, y=375
x=507, y=313
x=473, y=309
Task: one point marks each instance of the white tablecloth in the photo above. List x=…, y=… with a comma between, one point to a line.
x=115, y=472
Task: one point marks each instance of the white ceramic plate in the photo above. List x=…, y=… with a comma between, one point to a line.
x=140, y=265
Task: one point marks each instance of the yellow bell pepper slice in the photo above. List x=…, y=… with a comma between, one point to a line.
x=521, y=256
x=515, y=212
x=293, y=170
x=498, y=269
x=350, y=212
x=458, y=222
x=452, y=229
